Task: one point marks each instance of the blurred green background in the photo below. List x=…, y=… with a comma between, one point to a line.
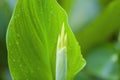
x=96, y=25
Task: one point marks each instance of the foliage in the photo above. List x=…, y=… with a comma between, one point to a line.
x=95, y=24
x=33, y=26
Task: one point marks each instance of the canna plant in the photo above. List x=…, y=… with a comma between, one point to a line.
x=40, y=43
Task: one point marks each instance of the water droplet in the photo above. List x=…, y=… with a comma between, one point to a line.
x=51, y=12
x=9, y=44
x=20, y=65
x=17, y=15
x=18, y=36
x=14, y=60
x=17, y=43
x=41, y=12
x=14, y=17
x=51, y=7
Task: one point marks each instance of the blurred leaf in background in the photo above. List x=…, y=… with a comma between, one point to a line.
x=101, y=30
x=11, y=4
x=102, y=62
x=4, y=20
x=5, y=15
x=83, y=13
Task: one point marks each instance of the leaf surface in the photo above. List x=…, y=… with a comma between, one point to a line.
x=32, y=41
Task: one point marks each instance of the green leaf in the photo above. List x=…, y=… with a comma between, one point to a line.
x=102, y=29
x=32, y=41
